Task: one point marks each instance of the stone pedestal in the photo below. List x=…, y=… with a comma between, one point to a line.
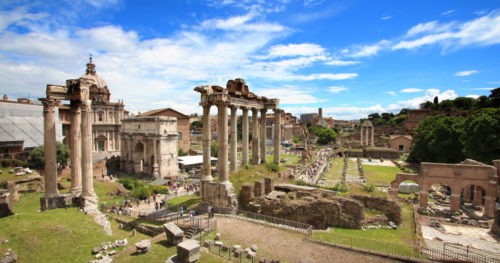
x=188, y=251
x=219, y=195
x=258, y=188
x=62, y=201
x=175, y=235
x=268, y=185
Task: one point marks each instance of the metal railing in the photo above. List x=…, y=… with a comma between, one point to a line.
x=294, y=225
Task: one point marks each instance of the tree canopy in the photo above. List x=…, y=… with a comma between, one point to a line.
x=36, y=157
x=325, y=135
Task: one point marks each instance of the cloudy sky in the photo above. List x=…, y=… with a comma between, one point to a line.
x=351, y=57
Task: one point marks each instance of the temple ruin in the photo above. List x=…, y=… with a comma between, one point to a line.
x=367, y=134
x=235, y=96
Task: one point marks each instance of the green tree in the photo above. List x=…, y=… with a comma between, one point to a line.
x=482, y=135
x=36, y=157
x=325, y=135
x=427, y=105
x=195, y=125
x=482, y=102
x=495, y=98
x=437, y=139
x=447, y=105
x=464, y=103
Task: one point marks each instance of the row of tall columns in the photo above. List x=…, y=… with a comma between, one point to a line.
x=365, y=136
x=81, y=149
x=258, y=140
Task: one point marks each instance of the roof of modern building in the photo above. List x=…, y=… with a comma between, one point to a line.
x=193, y=159
x=154, y=112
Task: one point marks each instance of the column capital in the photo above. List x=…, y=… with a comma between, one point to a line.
x=254, y=111
x=264, y=110
x=206, y=105
x=86, y=105
x=233, y=108
x=244, y=108
x=48, y=104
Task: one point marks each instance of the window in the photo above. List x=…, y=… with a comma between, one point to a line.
x=100, y=116
x=100, y=146
x=401, y=148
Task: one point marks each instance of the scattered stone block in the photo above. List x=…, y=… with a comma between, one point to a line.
x=253, y=248
x=218, y=243
x=188, y=251
x=175, y=235
x=392, y=225
x=251, y=254
x=9, y=257
x=236, y=247
x=224, y=248
x=96, y=250
x=262, y=260
x=217, y=236
x=111, y=253
x=207, y=243
x=143, y=246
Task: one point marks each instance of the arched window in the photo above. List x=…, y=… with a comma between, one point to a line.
x=100, y=116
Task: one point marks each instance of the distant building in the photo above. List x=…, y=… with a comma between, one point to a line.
x=416, y=116
x=182, y=124
x=400, y=143
x=21, y=127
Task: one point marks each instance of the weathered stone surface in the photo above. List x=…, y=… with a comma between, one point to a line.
x=9, y=257
x=218, y=243
x=188, y=251
x=143, y=246
x=217, y=236
x=61, y=201
x=5, y=203
x=253, y=248
x=96, y=250
x=390, y=208
x=175, y=235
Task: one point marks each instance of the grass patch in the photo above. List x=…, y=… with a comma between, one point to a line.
x=367, y=239
x=380, y=175
x=6, y=176
x=187, y=201
x=250, y=175
x=335, y=172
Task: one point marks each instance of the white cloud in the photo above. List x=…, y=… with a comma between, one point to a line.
x=386, y=17
x=329, y=76
x=482, y=31
x=289, y=95
x=428, y=96
x=337, y=89
x=410, y=90
x=481, y=12
x=494, y=82
x=465, y=73
x=337, y=62
x=448, y=12
x=472, y=96
x=368, y=50
x=392, y=93
x=339, y=113
x=304, y=49
x=482, y=88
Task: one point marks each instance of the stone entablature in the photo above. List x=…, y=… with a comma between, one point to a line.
x=458, y=177
x=150, y=146
x=235, y=96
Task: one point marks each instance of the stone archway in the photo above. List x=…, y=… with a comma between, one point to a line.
x=138, y=157
x=473, y=199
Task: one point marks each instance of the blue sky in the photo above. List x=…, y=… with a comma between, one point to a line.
x=350, y=57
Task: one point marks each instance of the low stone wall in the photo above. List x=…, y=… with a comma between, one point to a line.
x=390, y=208
x=317, y=211
x=495, y=228
x=142, y=228
x=380, y=152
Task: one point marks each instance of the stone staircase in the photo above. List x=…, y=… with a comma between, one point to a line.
x=190, y=232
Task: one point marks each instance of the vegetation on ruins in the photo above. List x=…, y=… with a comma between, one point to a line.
x=36, y=159
x=325, y=135
x=195, y=126
x=465, y=103
x=451, y=139
x=214, y=149
x=141, y=191
x=388, y=118
x=12, y=163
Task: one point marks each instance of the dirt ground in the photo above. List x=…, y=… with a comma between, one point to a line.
x=287, y=246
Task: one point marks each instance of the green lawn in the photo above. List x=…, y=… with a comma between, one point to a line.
x=380, y=175
x=335, y=172
x=250, y=175
x=187, y=201
x=290, y=159
x=393, y=241
x=6, y=176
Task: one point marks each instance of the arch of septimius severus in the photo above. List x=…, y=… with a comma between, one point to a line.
x=235, y=96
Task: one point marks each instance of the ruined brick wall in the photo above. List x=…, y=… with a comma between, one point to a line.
x=317, y=211
x=390, y=208
x=100, y=169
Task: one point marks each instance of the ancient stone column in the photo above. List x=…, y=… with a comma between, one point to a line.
x=207, y=168
x=367, y=138
x=478, y=196
x=489, y=206
x=130, y=161
x=244, y=139
x=255, y=137
x=373, y=135
x=223, y=147
x=361, y=136
x=76, y=149
x=277, y=135
x=263, y=132
x=50, y=154
x=87, y=173
x=156, y=173
x=234, y=139
x=455, y=202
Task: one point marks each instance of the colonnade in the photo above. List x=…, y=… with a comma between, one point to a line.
x=81, y=148
x=228, y=142
x=365, y=136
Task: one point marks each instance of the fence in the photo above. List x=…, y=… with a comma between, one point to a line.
x=413, y=251
x=302, y=227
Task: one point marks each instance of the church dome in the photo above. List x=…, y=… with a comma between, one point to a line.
x=99, y=92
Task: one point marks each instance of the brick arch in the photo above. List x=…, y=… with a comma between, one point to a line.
x=401, y=177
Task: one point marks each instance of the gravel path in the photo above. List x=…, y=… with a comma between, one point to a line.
x=285, y=245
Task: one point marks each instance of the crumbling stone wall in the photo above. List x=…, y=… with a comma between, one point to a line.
x=317, y=211
x=390, y=208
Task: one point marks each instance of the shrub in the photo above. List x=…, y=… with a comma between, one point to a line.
x=13, y=163
x=182, y=153
x=130, y=184
x=36, y=157
x=159, y=189
x=339, y=188
x=369, y=188
x=248, y=166
x=141, y=192
x=272, y=167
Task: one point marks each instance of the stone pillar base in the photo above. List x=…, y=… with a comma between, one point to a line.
x=220, y=195
x=61, y=201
